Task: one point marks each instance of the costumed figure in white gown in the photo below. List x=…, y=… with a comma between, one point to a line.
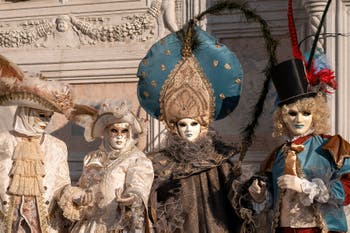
x=33, y=164
x=112, y=192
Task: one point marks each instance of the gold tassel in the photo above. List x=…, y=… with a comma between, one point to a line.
x=28, y=169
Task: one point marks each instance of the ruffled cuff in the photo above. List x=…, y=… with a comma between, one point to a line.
x=314, y=190
x=71, y=211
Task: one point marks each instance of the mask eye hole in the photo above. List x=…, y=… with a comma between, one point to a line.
x=45, y=115
x=114, y=131
x=182, y=124
x=292, y=113
x=125, y=131
x=306, y=113
x=194, y=123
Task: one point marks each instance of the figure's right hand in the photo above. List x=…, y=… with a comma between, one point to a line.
x=257, y=191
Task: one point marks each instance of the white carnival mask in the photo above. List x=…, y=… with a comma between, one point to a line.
x=188, y=129
x=30, y=121
x=41, y=119
x=118, y=135
x=298, y=122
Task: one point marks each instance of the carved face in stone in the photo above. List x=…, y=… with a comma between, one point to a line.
x=61, y=24
x=298, y=122
x=41, y=119
x=189, y=129
x=118, y=135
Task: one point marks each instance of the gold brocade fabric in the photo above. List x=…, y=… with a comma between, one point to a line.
x=187, y=93
x=25, y=215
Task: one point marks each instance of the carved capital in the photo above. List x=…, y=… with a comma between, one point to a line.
x=315, y=9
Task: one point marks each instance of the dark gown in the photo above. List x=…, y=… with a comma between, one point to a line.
x=190, y=191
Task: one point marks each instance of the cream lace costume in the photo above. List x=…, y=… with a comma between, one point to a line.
x=33, y=164
x=106, y=170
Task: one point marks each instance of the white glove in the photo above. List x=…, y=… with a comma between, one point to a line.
x=291, y=182
x=257, y=192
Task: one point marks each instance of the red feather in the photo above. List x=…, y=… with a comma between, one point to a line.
x=293, y=35
x=326, y=76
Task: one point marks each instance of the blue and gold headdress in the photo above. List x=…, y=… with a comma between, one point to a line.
x=189, y=74
x=219, y=65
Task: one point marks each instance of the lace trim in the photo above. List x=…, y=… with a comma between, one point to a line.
x=314, y=190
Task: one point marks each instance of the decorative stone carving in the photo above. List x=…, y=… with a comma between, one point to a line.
x=71, y=31
x=315, y=9
x=168, y=16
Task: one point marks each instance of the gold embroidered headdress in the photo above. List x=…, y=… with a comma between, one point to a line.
x=189, y=98
x=189, y=74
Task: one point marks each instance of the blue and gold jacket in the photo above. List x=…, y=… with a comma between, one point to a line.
x=323, y=157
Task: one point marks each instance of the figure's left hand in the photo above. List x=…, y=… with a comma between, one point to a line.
x=290, y=182
x=123, y=200
x=85, y=198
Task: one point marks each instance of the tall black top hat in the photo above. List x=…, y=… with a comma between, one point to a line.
x=289, y=78
x=298, y=78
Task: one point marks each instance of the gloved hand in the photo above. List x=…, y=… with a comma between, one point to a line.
x=85, y=198
x=257, y=191
x=291, y=182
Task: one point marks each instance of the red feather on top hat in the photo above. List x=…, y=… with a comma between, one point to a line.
x=321, y=77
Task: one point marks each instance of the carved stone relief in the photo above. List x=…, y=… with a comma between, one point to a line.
x=74, y=31
x=70, y=31
x=168, y=16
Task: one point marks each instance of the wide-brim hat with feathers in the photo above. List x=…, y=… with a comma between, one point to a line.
x=32, y=90
x=96, y=119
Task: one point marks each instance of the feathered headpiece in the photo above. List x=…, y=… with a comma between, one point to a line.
x=96, y=119
x=307, y=74
x=33, y=91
